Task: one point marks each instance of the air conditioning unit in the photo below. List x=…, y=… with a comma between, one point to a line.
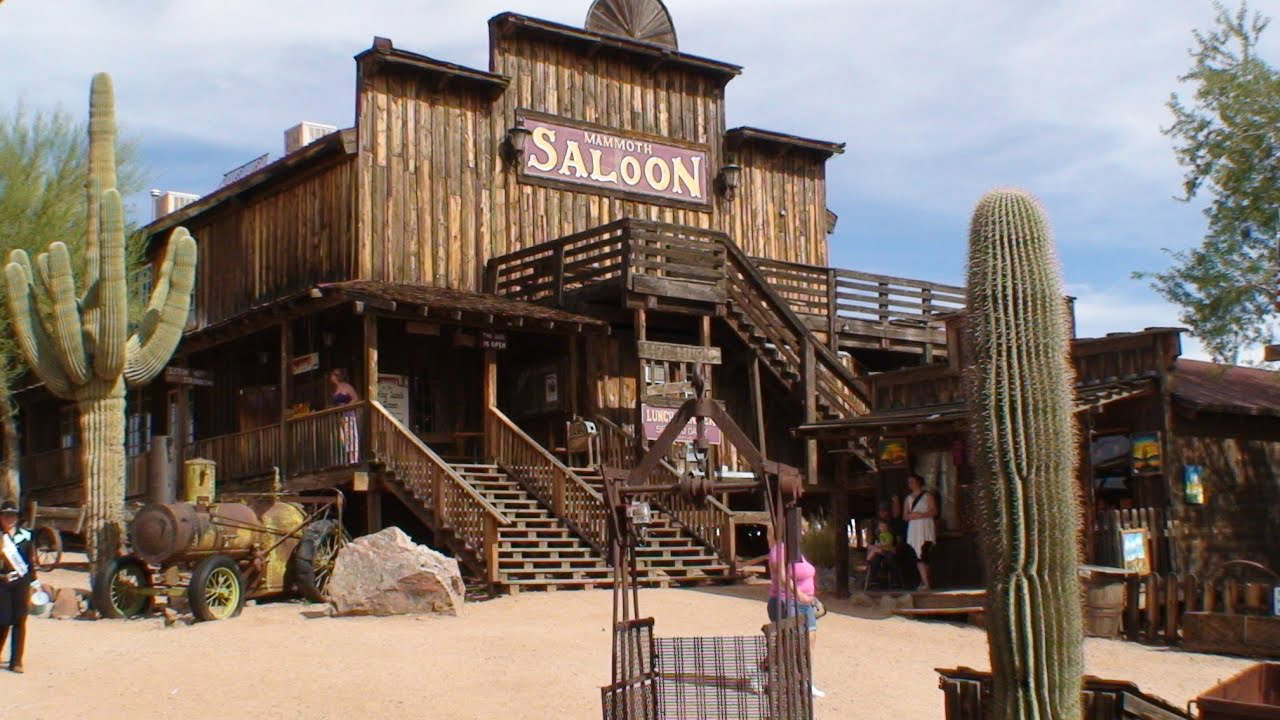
x=305, y=133
x=164, y=202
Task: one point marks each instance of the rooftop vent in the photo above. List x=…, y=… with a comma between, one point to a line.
x=305, y=133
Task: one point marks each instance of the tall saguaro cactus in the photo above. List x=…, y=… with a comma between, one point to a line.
x=80, y=346
x=1022, y=422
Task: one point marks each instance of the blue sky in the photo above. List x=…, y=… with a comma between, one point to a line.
x=937, y=101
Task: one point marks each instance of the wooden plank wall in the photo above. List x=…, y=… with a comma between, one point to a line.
x=1240, y=519
x=265, y=246
x=437, y=199
x=611, y=369
x=780, y=208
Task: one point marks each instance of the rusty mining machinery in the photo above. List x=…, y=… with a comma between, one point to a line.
x=756, y=676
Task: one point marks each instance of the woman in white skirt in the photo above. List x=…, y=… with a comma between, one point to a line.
x=919, y=510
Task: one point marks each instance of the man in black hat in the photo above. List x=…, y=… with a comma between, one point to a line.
x=17, y=572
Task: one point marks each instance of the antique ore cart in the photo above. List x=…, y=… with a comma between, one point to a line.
x=219, y=554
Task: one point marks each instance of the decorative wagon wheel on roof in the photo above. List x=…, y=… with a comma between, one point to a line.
x=644, y=20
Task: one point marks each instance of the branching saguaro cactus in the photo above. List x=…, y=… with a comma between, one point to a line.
x=1021, y=410
x=80, y=346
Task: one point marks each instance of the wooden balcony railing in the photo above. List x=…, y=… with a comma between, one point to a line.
x=835, y=295
x=327, y=439
x=454, y=503
x=569, y=496
x=638, y=255
x=251, y=453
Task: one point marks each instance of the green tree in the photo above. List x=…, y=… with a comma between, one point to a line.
x=43, y=171
x=1228, y=139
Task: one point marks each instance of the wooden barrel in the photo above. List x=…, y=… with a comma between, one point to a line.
x=1103, y=608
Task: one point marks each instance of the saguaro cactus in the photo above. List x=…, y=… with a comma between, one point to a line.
x=1021, y=409
x=80, y=347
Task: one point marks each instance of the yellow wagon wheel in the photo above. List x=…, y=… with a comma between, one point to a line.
x=216, y=591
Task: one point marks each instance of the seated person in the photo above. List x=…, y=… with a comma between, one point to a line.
x=885, y=542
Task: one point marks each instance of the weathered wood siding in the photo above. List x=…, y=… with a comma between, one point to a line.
x=283, y=239
x=1240, y=518
x=438, y=199
x=611, y=368
x=780, y=208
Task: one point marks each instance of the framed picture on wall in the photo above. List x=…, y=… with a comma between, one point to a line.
x=1146, y=455
x=891, y=454
x=1193, y=484
x=1133, y=550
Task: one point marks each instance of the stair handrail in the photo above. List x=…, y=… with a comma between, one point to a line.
x=570, y=498
x=440, y=463
x=783, y=309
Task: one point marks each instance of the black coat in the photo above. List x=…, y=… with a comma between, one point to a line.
x=15, y=596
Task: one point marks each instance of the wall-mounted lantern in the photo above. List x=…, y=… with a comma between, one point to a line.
x=728, y=179
x=517, y=136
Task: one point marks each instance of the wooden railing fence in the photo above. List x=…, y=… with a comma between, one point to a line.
x=570, y=497
x=1156, y=604
x=64, y=468
x=245, y=454
x=1163, y=533
x=456, y=505
x=835, y=295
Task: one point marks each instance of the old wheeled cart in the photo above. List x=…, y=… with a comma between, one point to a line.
x=218, y=555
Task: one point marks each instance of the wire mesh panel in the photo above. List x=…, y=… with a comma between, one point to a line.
x=712, y=677
x=634, y=700
x=632, y=650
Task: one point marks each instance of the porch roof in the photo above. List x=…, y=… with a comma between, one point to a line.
x=1211, y=387
x=428, y=304
x=422, y=299
x=938, y=416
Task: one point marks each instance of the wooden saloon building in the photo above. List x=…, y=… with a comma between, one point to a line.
x=497, y=258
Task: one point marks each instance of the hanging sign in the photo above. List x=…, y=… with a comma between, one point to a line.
x=188, y=376
x=493, y=341
x=670, y=352
x=393, y=393
x=562, y=151
x=304, y=363
x=655, y=420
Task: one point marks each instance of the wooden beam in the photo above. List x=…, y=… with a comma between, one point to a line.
x=373, y=505
x=489, y=392
x=840, y=516
x=757, y=404
x=810, y=388
x=370, y=357
x=286, y=354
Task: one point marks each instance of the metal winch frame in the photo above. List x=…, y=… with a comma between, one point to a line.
x=766, y=676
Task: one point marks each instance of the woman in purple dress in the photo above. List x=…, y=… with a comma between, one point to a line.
x=349, y=428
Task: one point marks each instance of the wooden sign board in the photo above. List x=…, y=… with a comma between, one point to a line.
x=493, y=340
x=188, y=376
x=671, y=389
x=655, y=420
x=669, y=352
x=304, y=363
x=585, y=157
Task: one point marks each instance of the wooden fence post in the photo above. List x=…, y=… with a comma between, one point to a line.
x=1153, y=607
x=1131, y=586
x=1172, y=616
x=832, y=341
x=491, y=548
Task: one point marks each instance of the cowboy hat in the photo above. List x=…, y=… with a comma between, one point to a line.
x=8, y=506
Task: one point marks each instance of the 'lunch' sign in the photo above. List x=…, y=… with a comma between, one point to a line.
x=613, y=160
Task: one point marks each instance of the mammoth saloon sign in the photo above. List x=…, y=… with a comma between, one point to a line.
x=557, y=153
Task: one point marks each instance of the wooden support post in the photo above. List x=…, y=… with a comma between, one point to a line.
x=373, y=505
x=642, y=334
x=1171, y=614
x=757, y=405
x=1153, y=607
x=575, y=372
x=1131, y=616
x=840, y=516
x=180, y=433
x=491, y=548
x=286, y=353
x=810, y=388
x=490, y=400
x=370, y=381
x=730, y=543
x=833, y=341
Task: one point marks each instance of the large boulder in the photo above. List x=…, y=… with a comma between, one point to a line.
x=386, y=573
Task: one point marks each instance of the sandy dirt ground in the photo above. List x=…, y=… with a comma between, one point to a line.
x=533, y=655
